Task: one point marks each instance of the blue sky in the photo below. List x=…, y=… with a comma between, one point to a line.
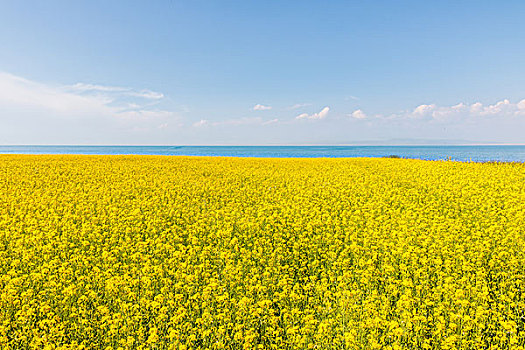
x=262, y=72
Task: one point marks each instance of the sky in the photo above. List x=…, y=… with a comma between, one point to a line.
x=261, y=72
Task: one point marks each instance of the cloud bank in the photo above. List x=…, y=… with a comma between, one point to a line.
x=72, y=101
x=457, y=113
x=499, y=109
x=33, y=112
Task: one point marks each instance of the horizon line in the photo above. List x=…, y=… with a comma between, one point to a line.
x=266, y=145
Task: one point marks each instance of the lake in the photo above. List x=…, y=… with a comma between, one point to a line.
x=458, y=153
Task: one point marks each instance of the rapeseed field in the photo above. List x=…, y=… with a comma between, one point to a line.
x=152, y=252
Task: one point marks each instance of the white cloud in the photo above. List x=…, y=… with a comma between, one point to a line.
x=350, y=97
x=500, y=107
x=201, y=123
x=476, y=107
x=299, y=105
x=423, y=110
x=358, y=114
x=302, y=116
x=272, y=121
x=259, y=107
x=236, y=122
x=152, y=95
x=93, y=88
x=321, y=115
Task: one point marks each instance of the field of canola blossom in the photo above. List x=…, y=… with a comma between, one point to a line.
x=153, y=252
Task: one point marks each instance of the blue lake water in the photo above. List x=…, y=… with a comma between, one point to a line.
x=459, y=153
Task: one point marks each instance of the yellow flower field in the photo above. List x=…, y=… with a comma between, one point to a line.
x=153, y=252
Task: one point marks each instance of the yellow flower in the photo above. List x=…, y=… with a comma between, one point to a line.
x=111, y=252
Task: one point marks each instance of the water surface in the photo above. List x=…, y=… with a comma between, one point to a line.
x=459, y=153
